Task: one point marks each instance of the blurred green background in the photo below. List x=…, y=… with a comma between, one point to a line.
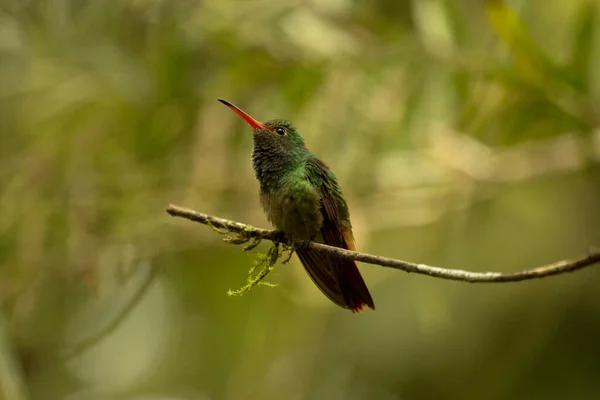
x=465, y=134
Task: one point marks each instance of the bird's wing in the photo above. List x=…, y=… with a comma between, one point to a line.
x=339, y=279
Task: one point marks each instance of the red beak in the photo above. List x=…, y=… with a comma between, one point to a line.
x=251, y=121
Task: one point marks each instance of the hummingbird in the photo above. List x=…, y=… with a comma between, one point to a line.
x=301, y=198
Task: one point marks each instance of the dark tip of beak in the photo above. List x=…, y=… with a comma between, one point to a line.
x=251, y=121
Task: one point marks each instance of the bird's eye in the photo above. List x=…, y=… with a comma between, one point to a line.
x=280, y=131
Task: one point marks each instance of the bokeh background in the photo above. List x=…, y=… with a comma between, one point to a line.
x=465, y=134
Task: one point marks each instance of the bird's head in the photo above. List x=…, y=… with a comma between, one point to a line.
x=277, y=136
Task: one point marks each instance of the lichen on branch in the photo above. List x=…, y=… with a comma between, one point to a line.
x=245, y=233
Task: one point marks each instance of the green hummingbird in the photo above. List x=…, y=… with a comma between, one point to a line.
x=301, y=198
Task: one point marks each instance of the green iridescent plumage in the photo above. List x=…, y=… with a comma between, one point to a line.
x=302, y=198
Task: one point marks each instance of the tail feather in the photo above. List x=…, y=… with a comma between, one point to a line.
x=338, y=279
x=356, y=289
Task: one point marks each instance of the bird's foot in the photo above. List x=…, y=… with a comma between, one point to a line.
x=279, y=237
x=304, y=244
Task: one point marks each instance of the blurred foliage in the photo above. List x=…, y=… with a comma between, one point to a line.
x=464, y=133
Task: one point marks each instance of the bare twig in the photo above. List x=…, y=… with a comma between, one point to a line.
x=557, y=268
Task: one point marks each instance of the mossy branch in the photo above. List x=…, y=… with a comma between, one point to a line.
x=247, y=233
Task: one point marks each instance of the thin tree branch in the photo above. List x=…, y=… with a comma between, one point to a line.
x=557, y=268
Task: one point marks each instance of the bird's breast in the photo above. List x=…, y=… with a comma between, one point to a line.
x=294, y=211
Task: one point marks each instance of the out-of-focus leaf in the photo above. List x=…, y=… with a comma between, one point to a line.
x=529, y=58
x=583, y=44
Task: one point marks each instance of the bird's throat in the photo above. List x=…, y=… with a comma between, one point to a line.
x=272, y=166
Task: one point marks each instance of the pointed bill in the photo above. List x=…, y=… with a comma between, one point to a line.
x=251, y=121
